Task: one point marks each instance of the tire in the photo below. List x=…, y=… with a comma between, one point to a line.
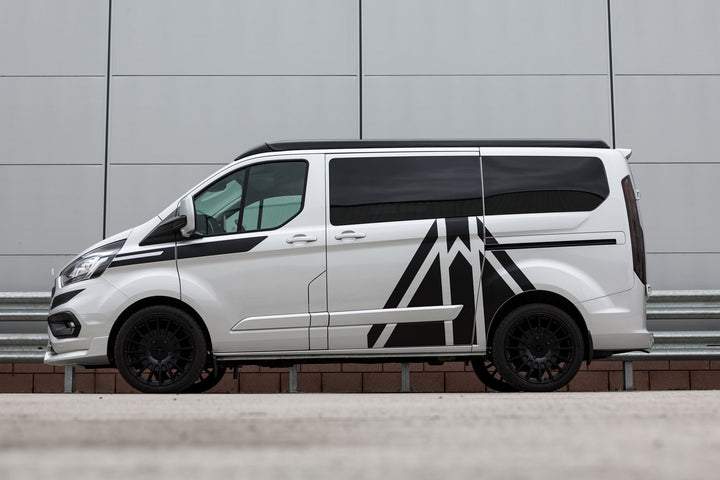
x=538, y=348
x=209, y=377
x=487, y=372
x=160, y=349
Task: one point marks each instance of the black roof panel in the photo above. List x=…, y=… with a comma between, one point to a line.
x=343, y=144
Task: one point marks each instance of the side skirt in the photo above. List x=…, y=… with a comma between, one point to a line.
x=354, y=355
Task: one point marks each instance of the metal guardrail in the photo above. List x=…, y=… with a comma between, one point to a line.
x=686, y=325
x=23, y=307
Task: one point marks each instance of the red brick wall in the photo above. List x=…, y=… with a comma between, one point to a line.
x=350, y=377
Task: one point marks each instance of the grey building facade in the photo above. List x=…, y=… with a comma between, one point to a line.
x=109, y=110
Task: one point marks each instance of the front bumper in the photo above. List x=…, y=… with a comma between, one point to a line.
x=96, y=354
x=83, y=318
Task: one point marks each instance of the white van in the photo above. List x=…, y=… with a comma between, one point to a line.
x=523, y=257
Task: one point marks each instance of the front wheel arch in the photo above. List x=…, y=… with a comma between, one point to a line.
x=548, y=298
x=149, y=302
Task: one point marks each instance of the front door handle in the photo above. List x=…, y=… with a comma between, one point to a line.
x=349, y=234
x=300, y=238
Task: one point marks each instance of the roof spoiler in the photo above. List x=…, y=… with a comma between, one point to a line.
x=626, y=152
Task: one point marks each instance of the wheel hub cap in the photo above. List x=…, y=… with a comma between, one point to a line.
x=159, y=348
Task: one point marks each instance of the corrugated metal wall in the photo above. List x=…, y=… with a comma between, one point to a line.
x=193, y=83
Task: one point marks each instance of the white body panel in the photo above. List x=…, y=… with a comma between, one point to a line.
x=418, y=288
x=242, y=296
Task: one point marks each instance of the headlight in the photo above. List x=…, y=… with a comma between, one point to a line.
x=90, y=265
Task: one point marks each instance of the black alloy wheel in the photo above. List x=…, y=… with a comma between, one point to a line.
x=538, y=348
x=487, y=372
x=209, y=377
x=160, y=349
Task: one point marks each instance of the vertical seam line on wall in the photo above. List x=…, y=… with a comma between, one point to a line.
x=360, y=71
x=612, y=77
x=107, y=121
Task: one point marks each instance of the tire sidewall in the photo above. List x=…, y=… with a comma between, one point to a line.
x=191, y=373
x=508, y=373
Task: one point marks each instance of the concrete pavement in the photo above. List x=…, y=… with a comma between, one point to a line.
x=658, y=435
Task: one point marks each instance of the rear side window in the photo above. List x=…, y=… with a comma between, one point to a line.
x=386, y=189
x=517, y=184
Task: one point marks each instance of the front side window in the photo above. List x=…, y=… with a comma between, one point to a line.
x=259, y=197
x=535, y=184
x=387, y=189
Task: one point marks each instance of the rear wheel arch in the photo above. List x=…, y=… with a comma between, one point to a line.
x=150, y=302
x=548, y=298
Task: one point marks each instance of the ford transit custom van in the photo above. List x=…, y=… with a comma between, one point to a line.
x=523, y=257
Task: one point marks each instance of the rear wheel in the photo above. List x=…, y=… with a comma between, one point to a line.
x=537, y=348
x=160, y=349
x=487, y=372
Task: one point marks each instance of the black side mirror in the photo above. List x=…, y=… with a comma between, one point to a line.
x=166, y=231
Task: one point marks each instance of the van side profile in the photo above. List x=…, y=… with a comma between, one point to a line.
x=523, y=257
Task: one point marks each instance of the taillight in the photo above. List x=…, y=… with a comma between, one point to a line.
x=637, y=239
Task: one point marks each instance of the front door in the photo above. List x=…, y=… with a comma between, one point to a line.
x=259, y=244
x=405, y=245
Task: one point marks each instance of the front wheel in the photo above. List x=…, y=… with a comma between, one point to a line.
x=160, y=349
x=538, y=348
x=209, y=377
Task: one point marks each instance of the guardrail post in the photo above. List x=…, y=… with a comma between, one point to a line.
x=405, y=368
x=627, y=376
x=293, y=387
x=69, y=379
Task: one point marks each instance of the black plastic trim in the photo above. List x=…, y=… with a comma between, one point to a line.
x=568, y=243
x=58, y=325
x=341, y=144
x=165, y=231
x=64, y=298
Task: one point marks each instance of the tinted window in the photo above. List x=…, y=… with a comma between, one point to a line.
x=385, y=189
x=543, y=184
x=259, y=197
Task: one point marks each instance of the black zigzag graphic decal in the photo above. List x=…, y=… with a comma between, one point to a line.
x=414, y=267
x=429, y=291
x=496, y=291
x=422, y=334
x=462, y=293
x=457, y=228
x=513, y=270
x=374, y=334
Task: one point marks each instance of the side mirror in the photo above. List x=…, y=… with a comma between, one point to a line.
x=165, y=231
x=186, y=209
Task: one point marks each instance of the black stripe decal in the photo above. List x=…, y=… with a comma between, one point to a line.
x=462, y=292
x=124, y=260
x=193, y=250
x=374, y=334
x=413, y=268
x=495, y=292
x=64, y=298
x=457, y=228
x=483, y=232
x=417, y=334
x=206, y=249
x=517, y=274
x=568, y=243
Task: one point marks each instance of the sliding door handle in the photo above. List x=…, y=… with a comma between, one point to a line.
x=349, y=234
